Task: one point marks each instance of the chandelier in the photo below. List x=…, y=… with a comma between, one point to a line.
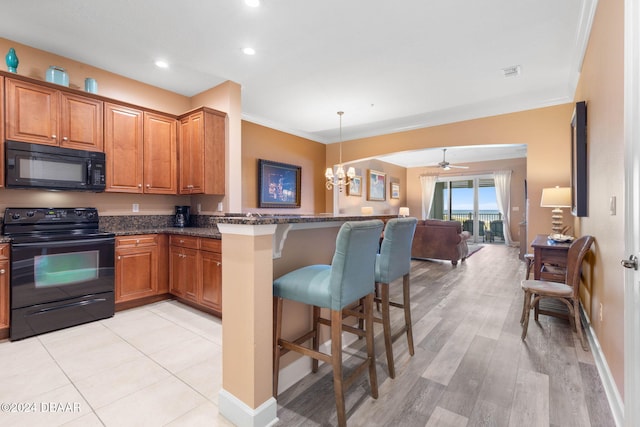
x=340, y=179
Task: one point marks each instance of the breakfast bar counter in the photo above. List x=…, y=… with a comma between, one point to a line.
x=255, y=250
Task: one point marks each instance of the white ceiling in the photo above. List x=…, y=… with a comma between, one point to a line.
x=461, y=155
x=389, y=66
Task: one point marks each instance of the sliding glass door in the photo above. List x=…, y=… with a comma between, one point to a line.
x=472, y=202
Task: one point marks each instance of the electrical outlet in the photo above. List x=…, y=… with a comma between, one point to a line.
x=601, y=310
x=135, y=207
x=220, y=207
x=199, y=207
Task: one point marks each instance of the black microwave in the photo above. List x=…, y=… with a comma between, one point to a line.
x=53, y=168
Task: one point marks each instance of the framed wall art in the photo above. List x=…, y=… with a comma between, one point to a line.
x=395, y=190
x=278, y=185
x=579, y=160
x=355, y=189
x=377, y=186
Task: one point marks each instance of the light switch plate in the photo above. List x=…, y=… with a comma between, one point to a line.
x=135, y=207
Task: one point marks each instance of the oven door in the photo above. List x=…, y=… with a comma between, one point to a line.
x=52, y=271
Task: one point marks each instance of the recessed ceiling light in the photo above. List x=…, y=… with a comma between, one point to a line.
x=162, y=63
x=249, y=51
x=252, y=3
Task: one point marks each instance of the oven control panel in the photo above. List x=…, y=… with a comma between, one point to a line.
x=50, y=215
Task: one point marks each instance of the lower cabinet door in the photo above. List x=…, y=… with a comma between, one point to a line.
x=136, y=273
x=211, y=296
x=4, y=294
x=184, y=272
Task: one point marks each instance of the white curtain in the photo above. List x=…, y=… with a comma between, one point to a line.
x=428, y=185
x=502, y=180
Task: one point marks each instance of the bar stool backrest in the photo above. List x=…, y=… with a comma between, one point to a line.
x=394, y=260
x=353, y=264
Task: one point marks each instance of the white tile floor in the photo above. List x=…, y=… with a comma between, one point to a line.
x=155, y=365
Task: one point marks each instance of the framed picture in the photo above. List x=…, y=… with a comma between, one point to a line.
x=579, y=160
x=395, y=190
x=377, y=186
x=278, y=185
x=355, y=189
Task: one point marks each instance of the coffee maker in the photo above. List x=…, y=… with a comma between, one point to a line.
x=182, y=216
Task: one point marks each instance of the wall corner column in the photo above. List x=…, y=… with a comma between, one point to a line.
x=247, y=324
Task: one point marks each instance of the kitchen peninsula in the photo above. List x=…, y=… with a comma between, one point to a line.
x=254, y=251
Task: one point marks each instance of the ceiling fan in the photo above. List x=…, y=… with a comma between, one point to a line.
x=446, y=165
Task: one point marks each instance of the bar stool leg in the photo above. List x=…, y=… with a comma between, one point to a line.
x=336, y=359
x=386, y=326
x=277, y=330
x=371, y=353
x=316, y=337
x=406, y=294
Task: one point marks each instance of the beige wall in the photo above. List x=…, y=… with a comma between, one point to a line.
x=351, y=205
x=545, y=131
x=259, y=142
x=601, y=86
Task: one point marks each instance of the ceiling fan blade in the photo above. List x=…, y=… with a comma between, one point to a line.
x=459, y=167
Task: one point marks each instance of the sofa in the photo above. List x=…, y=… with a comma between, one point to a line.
x=438, y=239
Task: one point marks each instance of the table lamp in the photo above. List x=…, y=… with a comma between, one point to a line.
x=404, y=211
x=556, y=198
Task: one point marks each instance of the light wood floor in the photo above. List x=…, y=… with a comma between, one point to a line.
x=470, y=366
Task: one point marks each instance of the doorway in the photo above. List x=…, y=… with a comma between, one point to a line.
x=472, y=202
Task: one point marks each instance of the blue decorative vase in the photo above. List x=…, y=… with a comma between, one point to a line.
x=12, y=61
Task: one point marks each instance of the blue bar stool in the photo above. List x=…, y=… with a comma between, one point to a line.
x=350, y=277
x=393, y=262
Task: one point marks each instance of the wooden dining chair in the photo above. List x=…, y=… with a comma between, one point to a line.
x=567, y=292
x=349, y=278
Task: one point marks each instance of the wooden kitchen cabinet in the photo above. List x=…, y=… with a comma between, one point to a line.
x=196, y=271
x=140, y=147
x=2, y=139
x=136, y=267
x=160, y=162
x=211, y=265
x=184, y=267
x=123, y=146
x=201, y=152
x=4, y=290
x=44, y=115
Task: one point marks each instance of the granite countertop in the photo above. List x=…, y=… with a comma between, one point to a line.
x=293, y=219
x=210, y=232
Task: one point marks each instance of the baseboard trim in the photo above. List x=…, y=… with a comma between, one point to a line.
x=242, y=415
x=611, y=390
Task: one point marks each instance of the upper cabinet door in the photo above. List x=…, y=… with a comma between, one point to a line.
x=123, y=144
x=192, y=154
x=160, y=161
x=202, y=152
x=1, y=131
x=81, y=122
x=31, y=113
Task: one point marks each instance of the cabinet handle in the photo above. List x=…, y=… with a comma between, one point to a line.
x=137, y=241
x=139, y=185
x=119, y=257
x=181, y=241
x=2, y=271
x=53, y=136
x=64, y=138
x=148, y=185
x=218, y=263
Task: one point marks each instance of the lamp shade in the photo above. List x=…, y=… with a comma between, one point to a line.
x=556, y=197
x=403, y=211
x=366, y=210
